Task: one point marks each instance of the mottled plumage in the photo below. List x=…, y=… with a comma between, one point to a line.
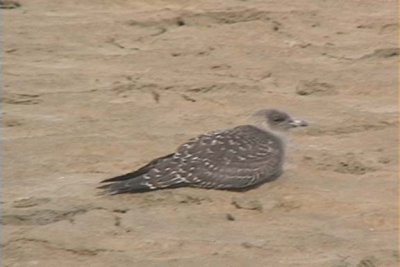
x=234, y=159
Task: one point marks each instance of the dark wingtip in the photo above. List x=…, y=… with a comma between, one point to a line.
x=108, y=180
x=112, y=189
x=138, y=172
x=120, y=178
x=117, y=186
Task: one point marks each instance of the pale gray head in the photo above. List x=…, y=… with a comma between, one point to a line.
x=276, y=120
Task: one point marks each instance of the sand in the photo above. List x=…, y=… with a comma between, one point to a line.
x=93, y=89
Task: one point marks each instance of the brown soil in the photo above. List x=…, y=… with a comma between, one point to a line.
x=93, y=89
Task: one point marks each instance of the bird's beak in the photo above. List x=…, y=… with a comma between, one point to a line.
x=298, y=123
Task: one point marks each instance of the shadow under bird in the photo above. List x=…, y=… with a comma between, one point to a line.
x=238, y=158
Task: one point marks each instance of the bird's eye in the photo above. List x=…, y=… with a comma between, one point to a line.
x=278, y=118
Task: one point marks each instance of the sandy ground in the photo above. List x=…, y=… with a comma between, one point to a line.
x=93, y=89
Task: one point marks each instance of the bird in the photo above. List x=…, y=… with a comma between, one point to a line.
x=238, y=159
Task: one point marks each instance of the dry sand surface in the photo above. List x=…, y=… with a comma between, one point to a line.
x=95, y=88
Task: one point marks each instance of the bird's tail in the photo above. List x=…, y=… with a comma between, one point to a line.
x=135, y=184
x=139, y=171
x=133, y=181
x=139, y=184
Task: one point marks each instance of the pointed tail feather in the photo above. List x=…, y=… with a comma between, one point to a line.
x=123, y=177
x=127, y=186
x=138, y=172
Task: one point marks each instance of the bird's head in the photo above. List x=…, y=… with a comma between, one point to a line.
x=276, y=120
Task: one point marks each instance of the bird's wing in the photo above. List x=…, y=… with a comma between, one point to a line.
x=231, y=159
